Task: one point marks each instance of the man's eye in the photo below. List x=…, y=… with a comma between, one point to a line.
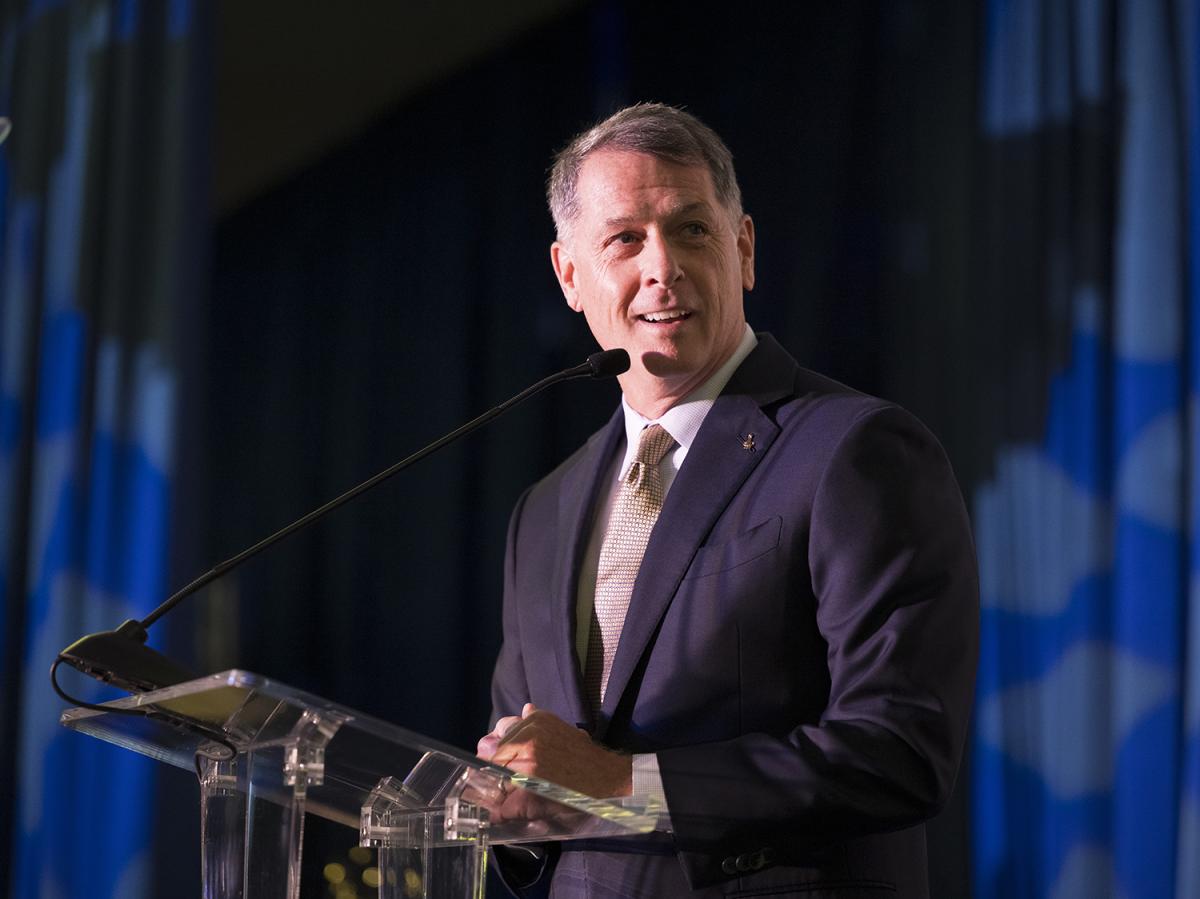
x=695, y=229
x=626, y=237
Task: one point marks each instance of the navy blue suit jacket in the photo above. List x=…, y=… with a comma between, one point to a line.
x=799, y=650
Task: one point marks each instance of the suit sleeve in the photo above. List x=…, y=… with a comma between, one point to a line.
x=893, y=570
x=510, y=690
x=522, y=869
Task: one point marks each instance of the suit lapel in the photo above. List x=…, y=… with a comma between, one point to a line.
x=576, y=504
x=716, y=466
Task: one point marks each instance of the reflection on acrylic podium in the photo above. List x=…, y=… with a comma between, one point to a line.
x=266, y=755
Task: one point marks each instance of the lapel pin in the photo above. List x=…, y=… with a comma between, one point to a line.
x=748, y=443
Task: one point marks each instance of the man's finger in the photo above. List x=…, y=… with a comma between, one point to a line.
x=519, y=731
x=489, y=743
x=486, y=747
x=504, y=725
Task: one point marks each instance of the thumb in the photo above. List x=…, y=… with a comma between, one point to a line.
x=528, y=709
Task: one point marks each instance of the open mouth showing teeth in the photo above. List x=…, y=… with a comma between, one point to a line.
x=669, y=316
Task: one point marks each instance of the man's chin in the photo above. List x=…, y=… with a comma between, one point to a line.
x=665, y=364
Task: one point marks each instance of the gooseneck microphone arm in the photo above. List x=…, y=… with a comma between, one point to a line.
x=594, y=367
x=121, y=658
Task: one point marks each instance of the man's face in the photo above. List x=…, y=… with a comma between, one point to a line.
x=657, y=266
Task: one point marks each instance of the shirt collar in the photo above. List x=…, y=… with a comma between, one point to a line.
x=682, y=421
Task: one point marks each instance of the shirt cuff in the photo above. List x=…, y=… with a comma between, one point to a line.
x=648, y=788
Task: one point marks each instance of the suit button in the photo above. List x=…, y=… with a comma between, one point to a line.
x=754, y=861
x=729, y=865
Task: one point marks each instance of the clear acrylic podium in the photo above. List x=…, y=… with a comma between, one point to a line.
x=267, y=754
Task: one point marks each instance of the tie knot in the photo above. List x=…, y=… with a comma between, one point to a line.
x=653, y=445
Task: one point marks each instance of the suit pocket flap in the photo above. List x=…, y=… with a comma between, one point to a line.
x=745, y=547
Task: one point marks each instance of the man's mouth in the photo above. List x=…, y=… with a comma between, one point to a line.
x=667, y=315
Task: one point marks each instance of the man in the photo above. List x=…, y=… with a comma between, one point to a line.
x=753, y=593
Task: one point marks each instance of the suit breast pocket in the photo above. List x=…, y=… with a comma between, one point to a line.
x=745, y=547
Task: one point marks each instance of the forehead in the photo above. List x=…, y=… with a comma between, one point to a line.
x=618, y=183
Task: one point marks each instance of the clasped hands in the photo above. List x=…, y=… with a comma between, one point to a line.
x=542, y=745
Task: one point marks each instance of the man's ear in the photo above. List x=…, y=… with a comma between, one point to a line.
x=564, y=270
x=745, y=244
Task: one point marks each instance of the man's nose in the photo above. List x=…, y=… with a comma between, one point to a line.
x=660, y=267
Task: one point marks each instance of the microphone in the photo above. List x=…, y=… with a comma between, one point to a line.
x=5, y=127
x=121, y=658
x=608, y=364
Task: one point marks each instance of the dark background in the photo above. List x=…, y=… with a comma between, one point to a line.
x=380, y=274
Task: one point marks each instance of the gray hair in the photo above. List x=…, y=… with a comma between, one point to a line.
x=662, y=131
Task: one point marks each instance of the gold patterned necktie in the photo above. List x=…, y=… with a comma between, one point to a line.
x=639, y=500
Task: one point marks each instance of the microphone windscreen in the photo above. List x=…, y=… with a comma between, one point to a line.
x=609, y=363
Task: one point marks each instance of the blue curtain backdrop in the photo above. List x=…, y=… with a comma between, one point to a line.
x=1086, y=773
x=100, y=206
